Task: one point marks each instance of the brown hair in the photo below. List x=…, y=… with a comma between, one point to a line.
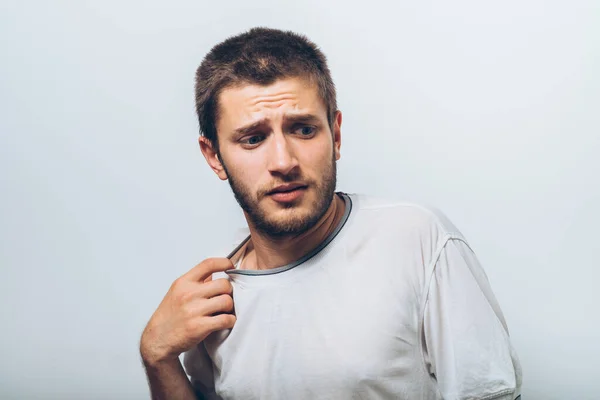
x=259, y=56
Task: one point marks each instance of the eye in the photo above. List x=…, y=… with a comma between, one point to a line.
x=253, y=140
x=306, y=130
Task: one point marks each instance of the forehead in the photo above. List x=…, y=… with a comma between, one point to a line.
x=243, y=104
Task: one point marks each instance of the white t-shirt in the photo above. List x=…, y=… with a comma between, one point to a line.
x=392, y=305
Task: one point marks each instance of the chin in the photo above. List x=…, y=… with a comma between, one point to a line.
x=290, y=221
x=279, y=219
x=284, y=214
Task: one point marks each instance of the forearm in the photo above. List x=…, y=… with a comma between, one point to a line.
x=167, y=380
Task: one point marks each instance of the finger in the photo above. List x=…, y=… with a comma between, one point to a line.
x=221, y=321
x=221, y=303
x=216, y=287
x=207, y=267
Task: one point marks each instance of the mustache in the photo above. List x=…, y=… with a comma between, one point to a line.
x=265, y=191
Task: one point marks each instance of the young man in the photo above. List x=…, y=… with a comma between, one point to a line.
x=330, y=295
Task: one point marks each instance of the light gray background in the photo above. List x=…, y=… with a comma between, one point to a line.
x=487, y=110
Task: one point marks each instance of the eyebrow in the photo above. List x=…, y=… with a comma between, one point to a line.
x=287, y=119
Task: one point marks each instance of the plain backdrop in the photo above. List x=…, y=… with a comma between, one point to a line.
x=489, y=111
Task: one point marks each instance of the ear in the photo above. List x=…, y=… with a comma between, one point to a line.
x=211, y=157
x=337, y=134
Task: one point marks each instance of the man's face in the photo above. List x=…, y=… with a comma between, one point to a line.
x=279, y=154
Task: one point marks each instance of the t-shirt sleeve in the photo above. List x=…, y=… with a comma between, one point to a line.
x=467, y=347
x=198, y=366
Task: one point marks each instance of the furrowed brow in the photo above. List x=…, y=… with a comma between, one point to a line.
x=289, y=119
x=244, y=130
x=301, y=119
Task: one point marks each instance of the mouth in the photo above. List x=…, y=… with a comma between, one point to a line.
x=287, y=188
x=287, y=193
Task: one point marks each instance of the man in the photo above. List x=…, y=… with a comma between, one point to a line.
x=330, y=295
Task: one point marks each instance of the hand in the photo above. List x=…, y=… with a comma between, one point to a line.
x=194, y=307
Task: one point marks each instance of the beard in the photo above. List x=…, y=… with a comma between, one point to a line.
x=295, y=223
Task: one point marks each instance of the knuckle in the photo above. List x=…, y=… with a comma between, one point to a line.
x=182, y=296
x=224, y=321
x=177, y=283
x=187, y=311
x=227, y=302
x=210, y=262
x=190, y=327
x=224, y=285
x=176, y=293
x=229, y=319
x=222, y=303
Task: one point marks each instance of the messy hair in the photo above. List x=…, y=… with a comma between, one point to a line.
x=259, y=56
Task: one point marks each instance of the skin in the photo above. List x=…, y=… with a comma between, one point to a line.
x=194, y=307
x=278, y=151
x=256, y=161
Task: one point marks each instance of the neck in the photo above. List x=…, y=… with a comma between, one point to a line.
x=265, y=252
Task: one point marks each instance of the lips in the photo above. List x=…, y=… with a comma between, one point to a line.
x=287, y=194
x=287, y=188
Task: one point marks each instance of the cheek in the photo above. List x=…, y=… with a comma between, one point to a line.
x=246, y=170
x=320, y=155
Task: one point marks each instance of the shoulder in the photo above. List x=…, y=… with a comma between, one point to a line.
x=414, y=216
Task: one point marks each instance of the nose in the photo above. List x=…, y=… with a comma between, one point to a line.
x=282, y=159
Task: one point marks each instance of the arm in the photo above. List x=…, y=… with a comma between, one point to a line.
x=194, y=307
x=466, y=345
x=167, y=380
